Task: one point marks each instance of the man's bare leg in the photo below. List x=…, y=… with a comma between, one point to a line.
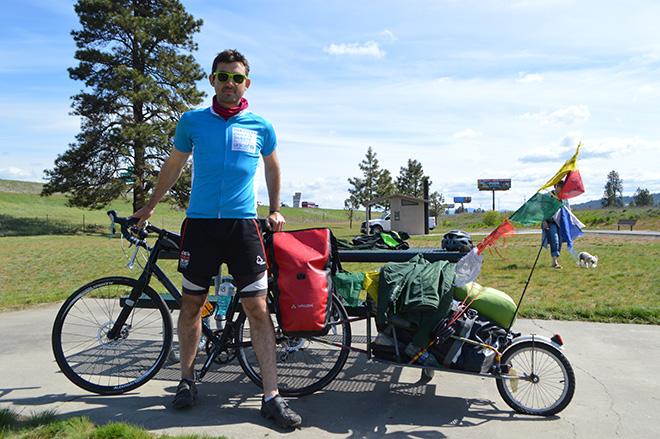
x=189, y=330
x=262, y=334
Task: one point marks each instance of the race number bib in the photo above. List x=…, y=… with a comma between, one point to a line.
x=243, y=140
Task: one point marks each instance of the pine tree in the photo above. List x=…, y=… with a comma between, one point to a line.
x=139, y=78
x=613, y=195
x=642, y=198
x=410, y=179
x=436, y=204
x=375, y=182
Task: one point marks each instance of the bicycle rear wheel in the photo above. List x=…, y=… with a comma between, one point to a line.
x=109, y=367
x=304, y=364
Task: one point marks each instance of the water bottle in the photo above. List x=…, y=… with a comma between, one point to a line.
x=225, y=292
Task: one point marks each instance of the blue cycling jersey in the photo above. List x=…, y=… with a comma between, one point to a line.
x=225, y=158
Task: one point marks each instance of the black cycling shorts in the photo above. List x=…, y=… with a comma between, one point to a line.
x=208, y=242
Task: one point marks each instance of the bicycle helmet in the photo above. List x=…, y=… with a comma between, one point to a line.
x=457, y=240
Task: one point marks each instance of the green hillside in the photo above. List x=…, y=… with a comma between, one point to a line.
x=23, y=212
x=25, y=187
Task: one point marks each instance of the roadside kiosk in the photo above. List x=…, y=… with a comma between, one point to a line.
x=406, y=213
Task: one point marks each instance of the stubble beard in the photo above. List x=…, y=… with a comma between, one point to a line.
x=232, y=99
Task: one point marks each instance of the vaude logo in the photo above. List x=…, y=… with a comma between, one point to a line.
x=260, y=260
x=302, y=305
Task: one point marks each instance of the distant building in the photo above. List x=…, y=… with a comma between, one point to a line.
x=296, y=199
x=310, y=204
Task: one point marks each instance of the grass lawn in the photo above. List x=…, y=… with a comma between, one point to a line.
x=624, y=287
x=46, y=253
x=47, y=425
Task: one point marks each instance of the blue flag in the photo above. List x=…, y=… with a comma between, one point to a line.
x=570, y=228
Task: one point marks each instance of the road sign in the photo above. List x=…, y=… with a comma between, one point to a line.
x=462, y=199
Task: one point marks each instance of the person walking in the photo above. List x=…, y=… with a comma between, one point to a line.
x=551, y=232
x=226, y=141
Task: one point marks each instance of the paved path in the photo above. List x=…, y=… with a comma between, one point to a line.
x=617, y=396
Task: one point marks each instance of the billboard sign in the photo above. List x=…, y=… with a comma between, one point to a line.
x=494, y=184
x=462, y=199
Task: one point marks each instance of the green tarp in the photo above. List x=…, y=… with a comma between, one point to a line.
x=418, y=291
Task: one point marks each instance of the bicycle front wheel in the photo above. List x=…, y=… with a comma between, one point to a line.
x=540, y=381
x=304, y=364
x=110, y=367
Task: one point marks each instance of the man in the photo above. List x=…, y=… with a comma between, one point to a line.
x=226, y=141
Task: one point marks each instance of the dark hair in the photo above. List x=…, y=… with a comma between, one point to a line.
x=229, y=56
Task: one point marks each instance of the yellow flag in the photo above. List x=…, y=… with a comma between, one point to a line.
x=570, y=165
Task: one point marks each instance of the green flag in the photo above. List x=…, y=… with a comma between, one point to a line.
x=539, y=207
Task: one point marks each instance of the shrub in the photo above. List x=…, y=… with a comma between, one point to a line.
x=491, y=218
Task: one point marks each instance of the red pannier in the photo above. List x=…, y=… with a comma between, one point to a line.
x=302, y=262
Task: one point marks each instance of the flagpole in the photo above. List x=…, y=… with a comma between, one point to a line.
x=525, y=289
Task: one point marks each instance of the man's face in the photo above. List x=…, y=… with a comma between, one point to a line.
x=229, y=93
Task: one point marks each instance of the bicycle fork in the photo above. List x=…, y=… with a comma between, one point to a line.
x=129, y=304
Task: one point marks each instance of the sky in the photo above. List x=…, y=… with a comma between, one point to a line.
x=470, y=88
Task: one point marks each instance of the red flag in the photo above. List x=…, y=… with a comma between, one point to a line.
x=502, y=231
x=573, y=186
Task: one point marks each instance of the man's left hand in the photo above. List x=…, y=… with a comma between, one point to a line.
x=276, y=221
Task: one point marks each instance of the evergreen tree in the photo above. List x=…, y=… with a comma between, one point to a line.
x=613, y=195
x=436, y=204
x=139, y=78
x=375, y=182
x=411, y=180
x=385, y=185
x=642, y=198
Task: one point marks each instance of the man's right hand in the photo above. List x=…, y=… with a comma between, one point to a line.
x=142, y=215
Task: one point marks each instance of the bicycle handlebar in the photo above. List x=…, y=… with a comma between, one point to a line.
x=129, y=229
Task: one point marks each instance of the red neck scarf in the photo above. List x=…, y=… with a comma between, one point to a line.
x=226, y=113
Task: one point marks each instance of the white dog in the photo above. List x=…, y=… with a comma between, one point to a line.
x=587, y=260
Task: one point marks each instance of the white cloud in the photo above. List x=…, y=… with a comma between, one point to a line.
x=564, y=116
x=327, y=192
x=468, y=133
x=604, y=148
x=529, y=77
x=388, y=35
x=14, y=173
x=370, y=48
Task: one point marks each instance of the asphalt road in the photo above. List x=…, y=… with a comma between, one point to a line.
x=617, y=394
x=632, y=233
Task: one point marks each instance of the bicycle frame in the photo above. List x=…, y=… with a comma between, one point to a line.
x=152, y=268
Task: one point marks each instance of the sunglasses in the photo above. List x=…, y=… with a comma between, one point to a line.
x=238, y=78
